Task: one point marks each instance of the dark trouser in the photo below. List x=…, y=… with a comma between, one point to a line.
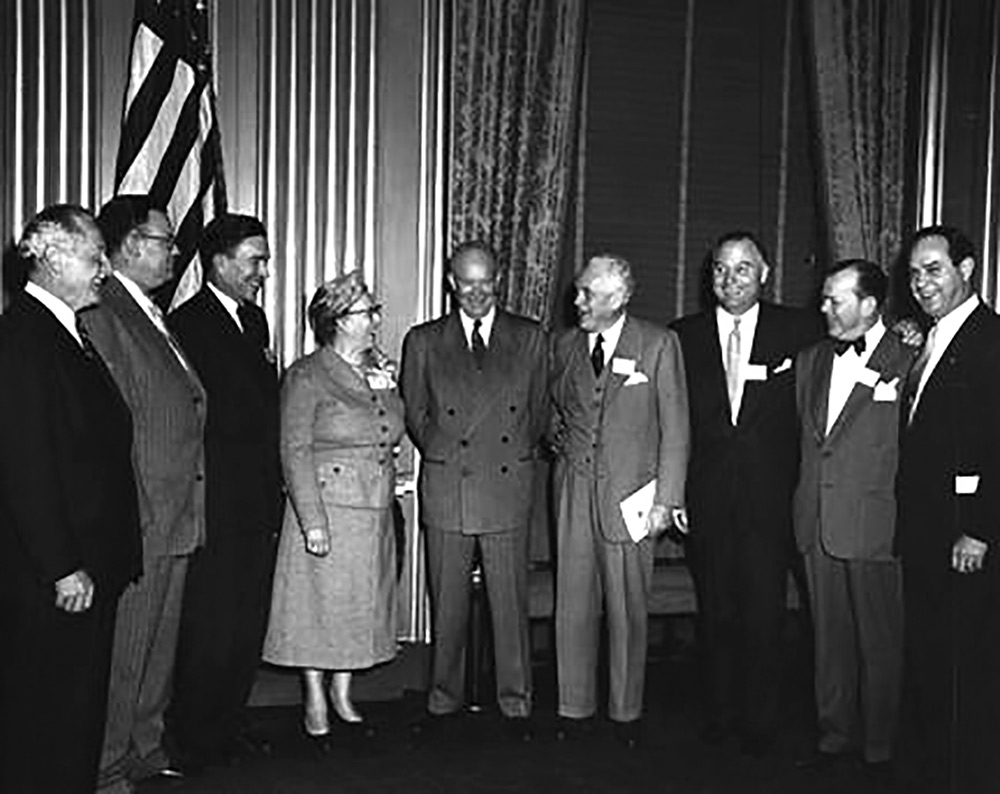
x=53, y=692
x=857, y=611
x=505, y=568
x=949, y=738
x=223, y=619
x=741, y=577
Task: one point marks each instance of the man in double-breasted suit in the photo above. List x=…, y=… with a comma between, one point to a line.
x=227, y=593
x=69, y=522
x=620, y=425
x=948, y=491
x=168, y=415
x=848, y=391
x=738, y=358
x=473, y=383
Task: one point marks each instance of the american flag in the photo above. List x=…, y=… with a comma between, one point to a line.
x=170, y=146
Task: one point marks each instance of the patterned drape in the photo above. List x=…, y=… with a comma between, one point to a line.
x=859, y=54
x=515, y=75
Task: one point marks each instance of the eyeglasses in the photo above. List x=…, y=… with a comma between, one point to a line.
x=371, y=311
x=167, y=239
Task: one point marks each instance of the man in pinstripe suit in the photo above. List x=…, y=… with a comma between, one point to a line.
x=168, y=409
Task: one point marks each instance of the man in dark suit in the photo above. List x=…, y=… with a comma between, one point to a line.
x=474, y=385
x=848, y=391
x=168, y=416
x=948, y=491
x=69, y=523
x=620, y=426
x=744, y=464
x=227, y=593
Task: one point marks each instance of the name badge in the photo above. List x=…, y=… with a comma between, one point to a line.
x=756, y=372
x=966, y=484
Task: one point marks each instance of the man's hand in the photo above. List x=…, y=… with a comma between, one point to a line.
x=909, y=332
x=657, y=520
x=318, y=542
x=75, y=593
x=967, y=554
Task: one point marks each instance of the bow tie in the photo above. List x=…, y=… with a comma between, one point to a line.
x=841, y=346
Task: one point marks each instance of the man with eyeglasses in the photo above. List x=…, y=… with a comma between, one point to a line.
x=739, y=359
x=227, y=593
x=474, y=385
x=168, y=414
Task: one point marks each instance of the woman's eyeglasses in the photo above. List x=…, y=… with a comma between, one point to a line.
x=371, y=311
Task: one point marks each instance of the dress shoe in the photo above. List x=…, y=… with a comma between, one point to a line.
x=820, y=761
x=629, y=734
x=756, y=745
x=571, y=729
x=518, y=729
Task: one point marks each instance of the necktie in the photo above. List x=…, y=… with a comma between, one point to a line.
x=733, y=363
x=841, y=346
x=597, y=356
x=161, y=325
x=478, y=345
x=917, y=372
x=86, y=342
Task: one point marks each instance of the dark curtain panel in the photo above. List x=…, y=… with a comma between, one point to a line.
x=859, y=55
x=515, y=75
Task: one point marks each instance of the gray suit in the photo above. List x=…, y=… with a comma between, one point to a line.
x=614, y=434
x=845, y=515
x=168, y=413
x=478, y=434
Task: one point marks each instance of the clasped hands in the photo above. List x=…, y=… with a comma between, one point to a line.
x=967, y=554
x=75, y=592
x=317, y=541
x=661, y=518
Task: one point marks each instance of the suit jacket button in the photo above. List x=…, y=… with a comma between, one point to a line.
x=503, y=469
x=504, y=439
x=451, y=412
x=385, y=428
x=513, y=408
x=464, y=442
x=199, y=477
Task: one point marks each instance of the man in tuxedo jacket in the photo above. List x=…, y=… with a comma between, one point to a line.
x=739, y=360
x=168, y=415
x=948, y=491
x=848, y=391
x=227, y=593
x=69, y=522
x=620, y=424
x=474, y=386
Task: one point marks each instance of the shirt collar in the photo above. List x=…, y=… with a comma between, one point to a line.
x=485, y=325
x=136, y=292
x=228, y=304
x=748, y=319
x=948, y=325
x=609, y=337
x=62, y=310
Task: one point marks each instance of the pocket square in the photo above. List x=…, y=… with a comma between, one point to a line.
x=636, y=378
x=886, y=391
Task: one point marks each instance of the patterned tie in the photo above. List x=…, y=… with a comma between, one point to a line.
x=161, y=325
x=733, y=364
x=85, y=341
x=597, y=356
x=916, y=373
x=478, y=345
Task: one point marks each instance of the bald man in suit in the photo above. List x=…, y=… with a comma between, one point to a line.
x=474, y=383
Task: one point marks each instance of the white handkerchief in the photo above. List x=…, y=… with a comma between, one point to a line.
x=966, y=484
x=886, y=392
x=636, y=378
x=756, y=372
x=868, y=377
x=786, y=364
x=635, y=510
x=622, y=366
x=379, y=380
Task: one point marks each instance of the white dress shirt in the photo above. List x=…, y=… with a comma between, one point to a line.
x=748, y=327
x=609, y=339
x=940, y=337
x=62, y=311
x=228, y=304
x=847, y=368
x=485, y=326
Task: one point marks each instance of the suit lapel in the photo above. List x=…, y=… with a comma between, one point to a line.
x=951, y=355
x=882, y=361
x=766, y=340
x=629, y=347
x=818, y=404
